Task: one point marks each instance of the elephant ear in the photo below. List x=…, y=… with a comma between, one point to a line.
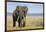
x=25, y=10
x=14, y=12
x=17, y=8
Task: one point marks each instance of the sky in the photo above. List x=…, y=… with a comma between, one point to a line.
x=32, y=8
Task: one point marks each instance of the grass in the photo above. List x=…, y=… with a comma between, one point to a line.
x=32, y=22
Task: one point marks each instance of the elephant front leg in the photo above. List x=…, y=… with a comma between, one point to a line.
x=14, y=24
x=23, y=25
x=14, y=21
x=19, y=22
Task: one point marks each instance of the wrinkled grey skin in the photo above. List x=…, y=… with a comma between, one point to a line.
x=21, y=14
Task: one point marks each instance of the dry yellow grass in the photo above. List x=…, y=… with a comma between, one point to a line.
x=32, y=22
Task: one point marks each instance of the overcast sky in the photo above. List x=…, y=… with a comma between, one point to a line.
x=32, y=8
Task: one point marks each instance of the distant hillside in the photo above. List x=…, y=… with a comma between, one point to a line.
x=40, y=14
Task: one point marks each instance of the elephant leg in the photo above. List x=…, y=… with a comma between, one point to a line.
x=24, y=22
x=14, y=23
x=19, y=22
x=14, y=20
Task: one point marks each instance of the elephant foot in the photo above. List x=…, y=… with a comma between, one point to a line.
x=14, y=25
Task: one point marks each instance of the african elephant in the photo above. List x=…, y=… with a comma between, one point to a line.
x=20, y=13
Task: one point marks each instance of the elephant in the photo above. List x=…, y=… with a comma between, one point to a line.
x=20, y=14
